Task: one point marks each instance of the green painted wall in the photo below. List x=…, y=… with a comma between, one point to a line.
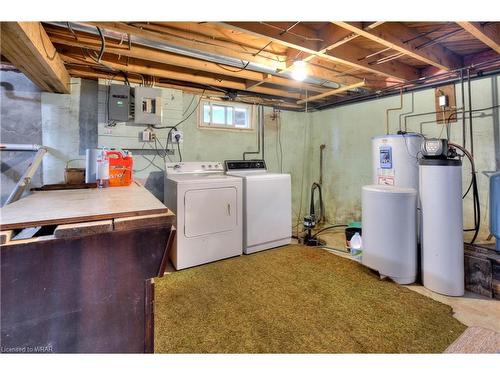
x=219, y=145
x=347, y=132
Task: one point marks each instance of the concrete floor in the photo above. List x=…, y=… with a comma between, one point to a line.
x=472, y=309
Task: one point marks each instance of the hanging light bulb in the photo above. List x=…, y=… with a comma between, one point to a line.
x=299, y=72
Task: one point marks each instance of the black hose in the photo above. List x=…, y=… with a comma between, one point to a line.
x=476, y=207
x=315, y=186
x=475, y=192
x=103, y=44
x=328, y=228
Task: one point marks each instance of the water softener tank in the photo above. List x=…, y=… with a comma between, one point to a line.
x=394, y=158
x=495, y=207
x=390, y=231
x=442, y=242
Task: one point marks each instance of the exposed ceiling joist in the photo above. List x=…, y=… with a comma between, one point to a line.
x=27, y=46
x=90, y=73
x=180, y=39
x=348, y=55
x=335, y=36
x=401, y=38
x=93, y=73
x=489, y=35
x=183, y=39
x=142, y=67
x=330, y=93
x=145, y=53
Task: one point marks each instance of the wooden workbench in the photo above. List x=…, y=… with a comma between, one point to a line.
x=83, y=286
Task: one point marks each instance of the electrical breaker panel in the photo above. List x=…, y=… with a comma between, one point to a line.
x=147, y=105
x=164, y=104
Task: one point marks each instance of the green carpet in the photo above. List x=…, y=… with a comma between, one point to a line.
x=295, y=300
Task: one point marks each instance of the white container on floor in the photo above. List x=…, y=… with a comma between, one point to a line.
x=390, y=231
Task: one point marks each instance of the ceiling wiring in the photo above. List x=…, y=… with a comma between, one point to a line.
x=283, y=31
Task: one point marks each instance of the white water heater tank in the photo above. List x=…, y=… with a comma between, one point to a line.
x=395, y=159
x=390, y=231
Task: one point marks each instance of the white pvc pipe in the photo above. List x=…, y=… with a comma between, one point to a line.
x=19, y=147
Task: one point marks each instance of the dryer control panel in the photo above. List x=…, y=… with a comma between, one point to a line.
x=194, y=167
x=235, y=165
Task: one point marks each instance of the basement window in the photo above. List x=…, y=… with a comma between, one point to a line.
x=219, y=115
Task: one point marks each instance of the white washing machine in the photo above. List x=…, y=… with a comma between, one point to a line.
x=208, y=209
x=267, y=205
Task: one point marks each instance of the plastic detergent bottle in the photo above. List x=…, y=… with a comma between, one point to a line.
x=102, y=169
x=120, y=168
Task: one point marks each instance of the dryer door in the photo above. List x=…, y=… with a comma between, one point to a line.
x=209, y=211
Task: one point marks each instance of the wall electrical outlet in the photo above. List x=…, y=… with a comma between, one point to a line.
x=443, y=101
x=174, y=135
x=147, y=136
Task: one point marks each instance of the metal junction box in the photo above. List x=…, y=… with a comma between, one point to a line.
x=119, y=103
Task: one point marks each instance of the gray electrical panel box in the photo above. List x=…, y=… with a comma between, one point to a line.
x=119, y=103
x=147, y=105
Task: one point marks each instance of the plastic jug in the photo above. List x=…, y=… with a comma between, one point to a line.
x=120, y=168
x=102, y=168
x=356, y=245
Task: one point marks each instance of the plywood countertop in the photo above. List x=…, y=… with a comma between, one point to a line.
x=73, y=206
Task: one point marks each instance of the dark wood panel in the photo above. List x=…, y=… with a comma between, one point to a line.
x=80, y=295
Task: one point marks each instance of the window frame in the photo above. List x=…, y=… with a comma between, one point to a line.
x=234, y=105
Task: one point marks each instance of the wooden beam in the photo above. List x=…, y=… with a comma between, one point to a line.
x=164, y=71
x=298, y=36
x=323, y=69
x=398, y=37
x=27, y=46
x=330, y=93
x=95, y=73
x=347, y=55
x=489, y=35
x=196, y=43
x=334, y=36
x=91, y=42
x=266, y=78
x=184, y=39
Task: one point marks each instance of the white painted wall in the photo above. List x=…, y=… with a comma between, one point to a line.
x=60, y=132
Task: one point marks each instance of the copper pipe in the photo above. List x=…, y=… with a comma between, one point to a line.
x=393, y=109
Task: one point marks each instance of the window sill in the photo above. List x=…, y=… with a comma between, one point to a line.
x=226, y=129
